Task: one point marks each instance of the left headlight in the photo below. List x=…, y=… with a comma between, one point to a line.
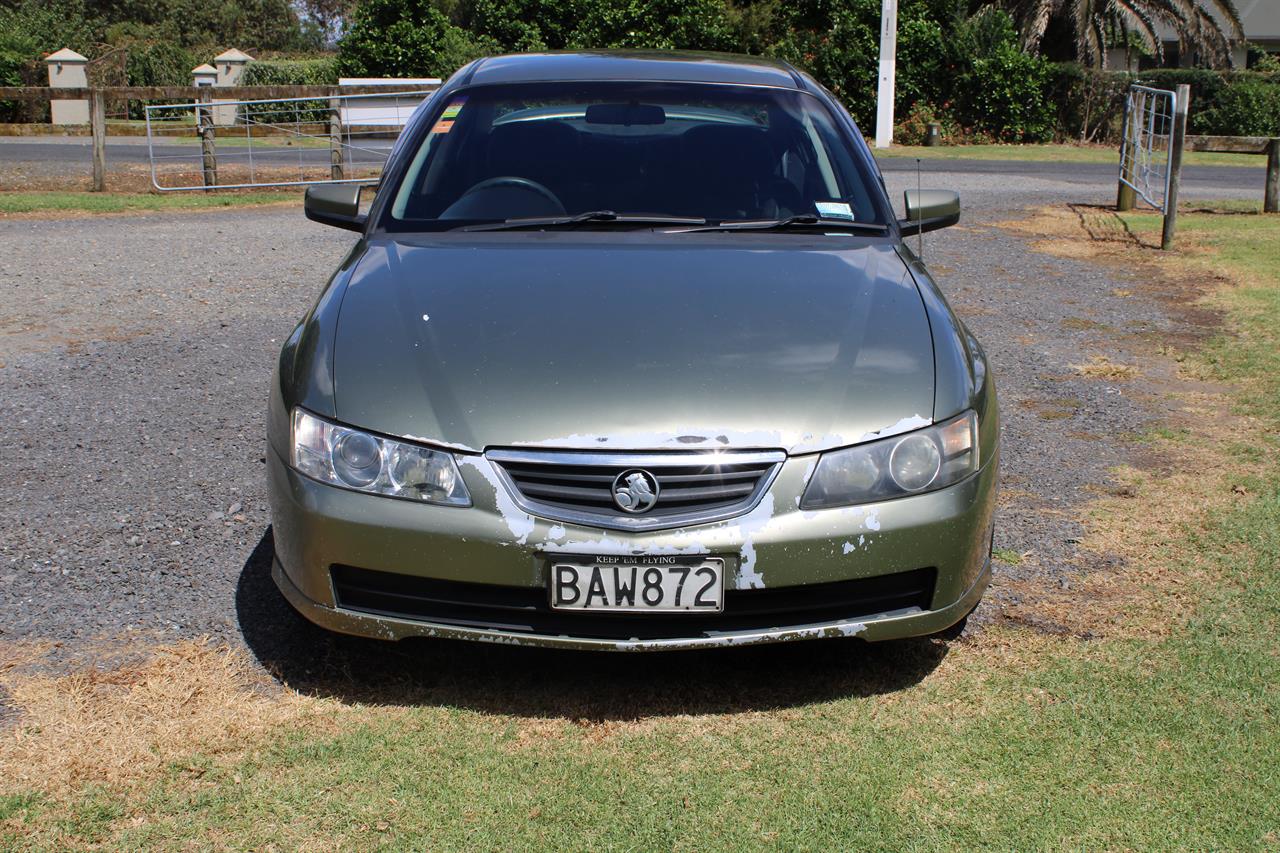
x=908, y=464
x=352, y=459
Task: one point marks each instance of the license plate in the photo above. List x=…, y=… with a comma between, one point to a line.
x=631, y=585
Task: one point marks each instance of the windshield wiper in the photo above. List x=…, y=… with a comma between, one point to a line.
x=802, y=220
x=591, y=216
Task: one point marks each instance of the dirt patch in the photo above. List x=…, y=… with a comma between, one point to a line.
x=1139, y=571
x=1097, y=233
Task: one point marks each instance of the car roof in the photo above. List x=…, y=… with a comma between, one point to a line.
x=647, y=65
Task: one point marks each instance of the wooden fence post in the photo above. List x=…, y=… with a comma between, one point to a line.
x=1126, y=198
x=335, y=140
x=1271, y=200
x=1177, y=141
x=98, y=127
x=204, y=126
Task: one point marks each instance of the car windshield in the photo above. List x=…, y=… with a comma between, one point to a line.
x=627, y=151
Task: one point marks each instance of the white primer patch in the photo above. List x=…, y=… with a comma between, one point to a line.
x=614, y=547
x=693, y=437
x=904, y=425
x=443, y=445
x=517, y=520
x=873, y=520
x=748, y=525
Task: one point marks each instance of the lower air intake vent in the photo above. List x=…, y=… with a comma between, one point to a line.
x=525, y=609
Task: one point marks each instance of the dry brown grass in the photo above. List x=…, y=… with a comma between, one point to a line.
x=1101, y=367
x=118, y=726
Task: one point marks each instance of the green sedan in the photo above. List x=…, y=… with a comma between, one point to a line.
x=632, y=353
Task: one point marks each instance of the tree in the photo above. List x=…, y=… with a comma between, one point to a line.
x=1204, y=27
x=331, y=16
x=400, y=38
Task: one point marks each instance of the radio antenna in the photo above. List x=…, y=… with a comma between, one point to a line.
x=919, y=215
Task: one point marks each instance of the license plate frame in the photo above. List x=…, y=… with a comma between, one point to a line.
x=688, y=594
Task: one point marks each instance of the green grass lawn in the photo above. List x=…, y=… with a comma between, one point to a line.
x=44, y=202
x=1055, y=154
x=1144, y=739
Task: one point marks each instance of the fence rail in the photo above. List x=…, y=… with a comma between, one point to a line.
x=1267, y=145
x=158, y=93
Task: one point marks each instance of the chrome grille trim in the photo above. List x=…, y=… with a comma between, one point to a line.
x=584, y=479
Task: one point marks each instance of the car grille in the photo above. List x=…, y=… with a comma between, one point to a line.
x=693, y=487
x=526, y=610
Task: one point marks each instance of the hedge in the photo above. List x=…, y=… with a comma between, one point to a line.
x=291, y=72
x=1235, y=103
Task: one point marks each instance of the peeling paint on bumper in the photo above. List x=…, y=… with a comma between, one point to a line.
x=317, y=526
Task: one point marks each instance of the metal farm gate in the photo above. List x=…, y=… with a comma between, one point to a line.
x=1155, y=126
x=225, y=144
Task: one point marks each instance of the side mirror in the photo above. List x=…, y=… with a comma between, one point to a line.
x=929, y=210
x=335, y=204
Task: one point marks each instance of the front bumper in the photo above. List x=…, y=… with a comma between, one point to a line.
x=494, y=542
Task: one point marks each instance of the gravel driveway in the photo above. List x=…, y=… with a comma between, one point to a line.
x=136, y=353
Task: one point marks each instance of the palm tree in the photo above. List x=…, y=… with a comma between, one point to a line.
x=1198, y=29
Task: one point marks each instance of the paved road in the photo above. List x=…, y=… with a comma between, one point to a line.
x=1198, y=181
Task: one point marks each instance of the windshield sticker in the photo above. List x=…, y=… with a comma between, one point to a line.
x=445, y=124
x=834, y=210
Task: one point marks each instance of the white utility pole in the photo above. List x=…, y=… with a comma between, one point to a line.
x=888, y=65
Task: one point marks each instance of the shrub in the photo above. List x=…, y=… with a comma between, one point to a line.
x=1091, y=102
x=997, y=89
x=1249, y=106
x=291, y=72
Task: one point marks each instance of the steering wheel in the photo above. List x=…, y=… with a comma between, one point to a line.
x=516, y=183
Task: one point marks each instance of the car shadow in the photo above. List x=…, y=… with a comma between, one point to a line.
x=584, y=686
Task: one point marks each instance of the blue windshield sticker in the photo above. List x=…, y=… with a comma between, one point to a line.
x=834, y=210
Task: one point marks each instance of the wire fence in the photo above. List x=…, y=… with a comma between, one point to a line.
x=274, y=143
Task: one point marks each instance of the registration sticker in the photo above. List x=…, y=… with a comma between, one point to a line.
x=445, y=124
x=834, y=210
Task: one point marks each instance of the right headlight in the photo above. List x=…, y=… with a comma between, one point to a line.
x=907, y=464
x=353, y=459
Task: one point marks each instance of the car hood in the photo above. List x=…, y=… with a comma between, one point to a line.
x=612, y=342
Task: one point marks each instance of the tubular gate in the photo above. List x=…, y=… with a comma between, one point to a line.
x=282, y=142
